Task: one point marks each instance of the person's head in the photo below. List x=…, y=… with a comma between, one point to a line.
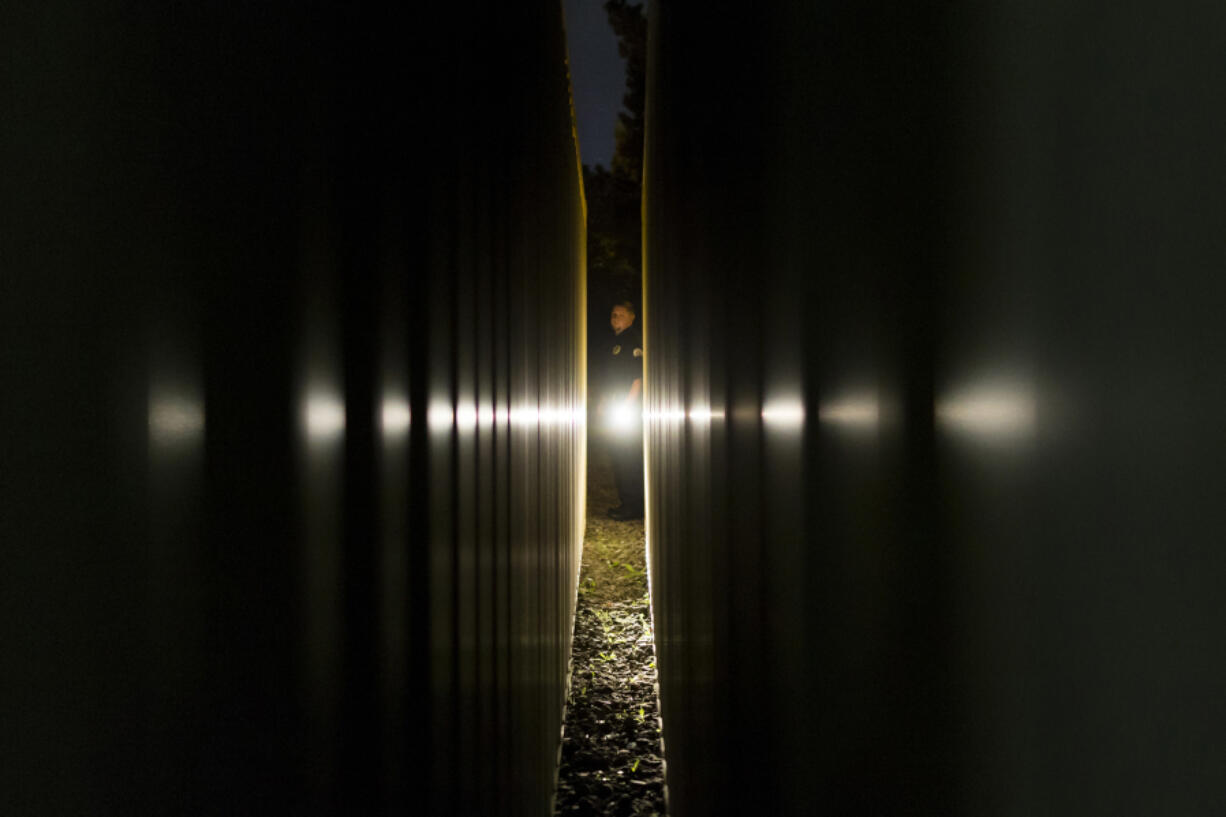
x=622, y=317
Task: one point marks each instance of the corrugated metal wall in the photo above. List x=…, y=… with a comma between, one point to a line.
x=292, y=423
x=934, y=343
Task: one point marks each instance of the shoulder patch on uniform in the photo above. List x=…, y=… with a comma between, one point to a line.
x=617, y=350
x=638, y=352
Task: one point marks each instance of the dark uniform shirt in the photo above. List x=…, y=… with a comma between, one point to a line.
x=623, y=365
x=623, y=361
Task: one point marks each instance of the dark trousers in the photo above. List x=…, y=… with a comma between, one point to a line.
x=627, y=456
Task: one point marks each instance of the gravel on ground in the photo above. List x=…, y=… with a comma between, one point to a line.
x=612, y=762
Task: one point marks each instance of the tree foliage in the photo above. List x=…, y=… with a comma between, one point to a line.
x=614, y=195
x=631, y=29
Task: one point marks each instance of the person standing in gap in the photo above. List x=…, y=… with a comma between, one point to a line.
x=623, y=410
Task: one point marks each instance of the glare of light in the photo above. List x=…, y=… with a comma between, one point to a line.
x=486, y=417
x=620, y=417
x=395, y=416
x=784, y=413
x=545, y=416
x=999, y=412
x=525, y=416
x=174, y=418
x=466, y=416
x=324, y=416
x=664, y=415
x=439, y=416
x=562, y=416
x=861, y=412
x=704, y=414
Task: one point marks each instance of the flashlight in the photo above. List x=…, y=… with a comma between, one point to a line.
x=620, y=417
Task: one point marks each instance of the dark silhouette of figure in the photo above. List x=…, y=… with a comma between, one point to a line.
x=623, y=355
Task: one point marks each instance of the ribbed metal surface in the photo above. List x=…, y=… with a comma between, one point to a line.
x=293, y=439
x=933, y=345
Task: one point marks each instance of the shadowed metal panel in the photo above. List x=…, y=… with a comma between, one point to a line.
x=931, y=306
x=499, y=383
x=292, y=431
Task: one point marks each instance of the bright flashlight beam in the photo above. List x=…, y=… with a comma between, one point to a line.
x=621, y=417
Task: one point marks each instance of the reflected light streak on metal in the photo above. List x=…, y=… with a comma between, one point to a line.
x=525, y=416
x=440, y=417
x=704, y=414
x=487, y=417
x=859, y=413
x=174, y=418
x=533, y=416
x=395, y=416
x=784, y=413
x=466, y=416
x=664, y=416
x=993, y=412
x=324, y=415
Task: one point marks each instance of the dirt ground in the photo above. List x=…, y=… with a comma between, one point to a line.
x=612, y=760
x=614, y=566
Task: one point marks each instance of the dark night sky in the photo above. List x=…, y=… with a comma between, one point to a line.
x=598, y=78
